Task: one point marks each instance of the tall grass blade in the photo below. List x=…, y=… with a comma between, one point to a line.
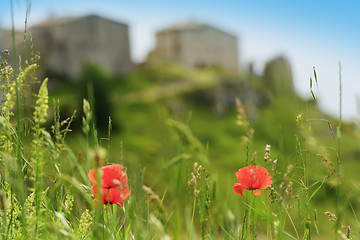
x=338, y=156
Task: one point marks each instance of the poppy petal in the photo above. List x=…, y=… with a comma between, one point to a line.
x=238, y=188
x=115, y=197
x=256, y=192
x=114, y=188
x=252, y=178
x=91, y=175
x=265, y=180
x=243, y=176
x=112, y=172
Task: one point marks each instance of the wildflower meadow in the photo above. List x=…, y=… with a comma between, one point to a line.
x=62, y=179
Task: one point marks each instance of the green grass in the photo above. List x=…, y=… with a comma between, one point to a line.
x=181, y=148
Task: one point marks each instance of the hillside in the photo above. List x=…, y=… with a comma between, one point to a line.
x=181, y=134
x=141, y=104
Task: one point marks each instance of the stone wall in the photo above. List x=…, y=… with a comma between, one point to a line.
x=6, y=42
x=278, y=78
x=67, y=44
x=197, y=45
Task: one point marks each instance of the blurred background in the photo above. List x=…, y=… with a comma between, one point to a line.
x=310, y=34
x=143, y=63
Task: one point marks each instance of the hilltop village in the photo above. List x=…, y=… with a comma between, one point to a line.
x=66, y=45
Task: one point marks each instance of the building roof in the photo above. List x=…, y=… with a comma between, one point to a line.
x=68, y=20
x=193, y=25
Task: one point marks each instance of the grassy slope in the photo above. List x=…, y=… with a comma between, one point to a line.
x=140, y=105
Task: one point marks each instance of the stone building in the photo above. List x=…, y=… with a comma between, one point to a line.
x=278, y=77
x=66, y=44
x=6, y=42
x=197, y=45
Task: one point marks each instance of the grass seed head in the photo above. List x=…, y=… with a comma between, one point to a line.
x=241, y=116
x=151, y=194
x=331, y=170
x=85, y=223
x=267, y=153
x=331, y=216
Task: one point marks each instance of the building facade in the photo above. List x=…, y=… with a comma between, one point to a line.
x=197, y=45
x=66, y=44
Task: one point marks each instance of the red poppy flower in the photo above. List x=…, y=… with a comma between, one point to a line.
x=252, y=178
x=113, y=184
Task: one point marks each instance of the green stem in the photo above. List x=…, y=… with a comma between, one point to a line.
x=253, y=226
x=337, y=223
x=193, y=212
x=247, y=144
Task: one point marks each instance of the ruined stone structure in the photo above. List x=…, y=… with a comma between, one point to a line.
x=66, y=44
x=197, y=45
x=6, y=40
x=278, y=76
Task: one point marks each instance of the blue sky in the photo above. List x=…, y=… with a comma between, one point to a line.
x=309, y=33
